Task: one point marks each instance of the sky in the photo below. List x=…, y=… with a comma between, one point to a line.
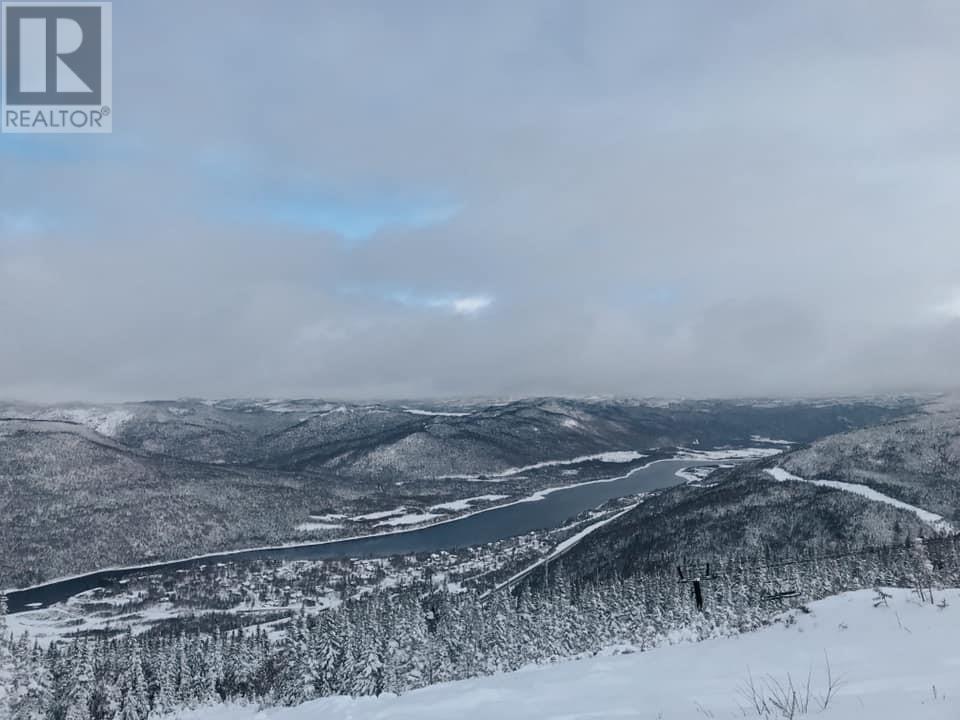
x=376, y=199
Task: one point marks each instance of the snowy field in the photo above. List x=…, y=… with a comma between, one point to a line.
x=615, y=457
x=467, y=503
x=888, y=663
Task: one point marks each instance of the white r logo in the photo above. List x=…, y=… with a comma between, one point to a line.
x=33, y=55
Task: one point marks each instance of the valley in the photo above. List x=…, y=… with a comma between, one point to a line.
x=162, y=522
x=145, y=483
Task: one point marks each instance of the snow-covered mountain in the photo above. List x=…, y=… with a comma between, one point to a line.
x=144, y=481
x=916, y=460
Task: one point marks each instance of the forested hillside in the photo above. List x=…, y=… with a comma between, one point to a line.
x=916, y=460
x=740, y=512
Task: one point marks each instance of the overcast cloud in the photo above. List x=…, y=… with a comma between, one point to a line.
x=383, y=199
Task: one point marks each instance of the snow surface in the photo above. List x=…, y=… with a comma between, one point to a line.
x=434, y=413
x=311, y=526
x=900, y=662
x=778, y=473
x=771, y=441
x=616, y=456
x=105, y=421
x=409, y=519
x=466, y=503
x=379, y=515
x=284, y=406
x=749, y=453
x=698, y=473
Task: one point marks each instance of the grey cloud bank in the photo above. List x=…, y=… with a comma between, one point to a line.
x=651, y=198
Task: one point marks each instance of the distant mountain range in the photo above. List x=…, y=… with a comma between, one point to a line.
x=88, y=486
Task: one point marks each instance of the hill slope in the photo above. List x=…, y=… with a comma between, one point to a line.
x=741, y=512
x=887, y=663
x=916, y=460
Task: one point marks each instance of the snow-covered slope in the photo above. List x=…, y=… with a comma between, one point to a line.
x=937, y=521
x=916, y=459
x=887, y=663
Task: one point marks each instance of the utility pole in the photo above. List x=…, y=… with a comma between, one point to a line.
x=695, y=580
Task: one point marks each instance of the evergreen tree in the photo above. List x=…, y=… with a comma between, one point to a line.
x=81, y=683
x=297, y=682
x=326, y=649
x=6, y=663
x=30, y=690
x=135, y=703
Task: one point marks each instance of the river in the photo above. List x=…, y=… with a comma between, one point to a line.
x=497, y=523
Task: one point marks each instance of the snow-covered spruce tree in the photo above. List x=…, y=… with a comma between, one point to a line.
x=296, y=682
x=459, y=631
x=348, y=665
x=370, y=679
x=325, y=648
x=203, y=673
x=368, y=660
x=30, y=691
x=164, y=684
x=565, y=623
x=496, y=634
x=132, y=684
x=241, y=665
x=214, y=666
x=55, y=659
x=6, y=668
x=81, y=683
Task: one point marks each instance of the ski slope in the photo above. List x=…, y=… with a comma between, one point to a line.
x=900, y=662
x=937, y=521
